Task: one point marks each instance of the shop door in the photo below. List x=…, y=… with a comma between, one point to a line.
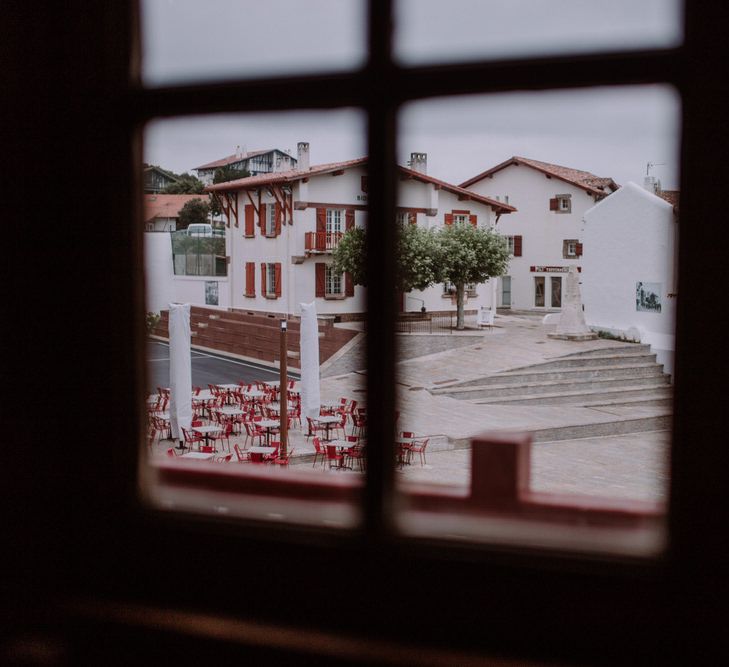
x=506, y=291
x=556, y=285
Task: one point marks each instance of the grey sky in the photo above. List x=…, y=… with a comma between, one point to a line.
x=611, y=132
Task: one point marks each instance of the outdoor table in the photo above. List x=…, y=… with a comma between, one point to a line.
x=230, y=386
x=197, y=455
x=343, y=446
x=253, y=393
x=328, y=420
x=207, y=430
x=402, y=449
x=268, y=424
x=204, y=395
x=262, y=450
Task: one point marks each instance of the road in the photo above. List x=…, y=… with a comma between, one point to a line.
x=206, y=368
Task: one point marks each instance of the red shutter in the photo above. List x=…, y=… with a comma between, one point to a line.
x=321, y=279
x=553, y=204
x=263, y=279
x=250, y=224
x=413, y=218
x=364, y=183
x=348, y=219
x=348, y=284
x=517, y=246
x=578, y=249
x=473, y=219
x=278, y=218
x=250, y=279
x=449, y=218
x=262, y=218
x=321, y=220
x=277, y=278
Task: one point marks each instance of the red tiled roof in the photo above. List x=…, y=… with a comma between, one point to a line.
x=297, y=174
x=166, y=206
x=597, y=185
x=233, y=158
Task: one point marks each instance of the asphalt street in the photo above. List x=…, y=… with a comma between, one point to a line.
x=206, y=368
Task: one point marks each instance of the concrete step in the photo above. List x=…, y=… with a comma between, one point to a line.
x=638, y=425
x=554, y=386
x=657, y=395
x=626, y=349
x=535, y=374
x=606, y=360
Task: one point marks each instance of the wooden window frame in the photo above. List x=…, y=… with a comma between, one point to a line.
x=536, y=604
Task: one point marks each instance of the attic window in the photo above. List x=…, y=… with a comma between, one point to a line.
x=561, y=204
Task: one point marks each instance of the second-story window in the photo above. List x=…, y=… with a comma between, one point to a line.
x=271, y=220
x=335, y=221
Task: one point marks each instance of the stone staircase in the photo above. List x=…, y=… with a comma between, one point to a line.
x=619, y=376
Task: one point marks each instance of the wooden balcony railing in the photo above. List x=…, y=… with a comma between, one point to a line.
x=322, y=241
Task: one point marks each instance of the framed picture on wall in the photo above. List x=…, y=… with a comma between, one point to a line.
x=211, y=292
x=648, y=297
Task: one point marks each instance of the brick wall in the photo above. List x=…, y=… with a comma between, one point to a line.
x=254, y=334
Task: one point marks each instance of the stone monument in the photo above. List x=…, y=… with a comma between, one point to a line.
x=571, y=324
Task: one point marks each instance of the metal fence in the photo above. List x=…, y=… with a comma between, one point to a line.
x=425, y=323
x=198, y=255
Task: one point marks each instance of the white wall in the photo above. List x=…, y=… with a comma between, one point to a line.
x=629, y=238
x=542, y=231
x=163, y=287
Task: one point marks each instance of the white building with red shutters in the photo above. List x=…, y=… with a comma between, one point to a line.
x=544, y=232
x=282, y=228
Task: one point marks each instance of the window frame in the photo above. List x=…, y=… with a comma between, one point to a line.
x=606, y=608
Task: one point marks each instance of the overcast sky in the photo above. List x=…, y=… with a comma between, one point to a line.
x=610, y=132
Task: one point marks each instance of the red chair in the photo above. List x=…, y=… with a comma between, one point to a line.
x=253, y=431
x=192, y=438
x=359, y=422
x=418, y=446
x=319, y=451
x=358, y=453
x=207, y=449
x=284, y=460
x=240, y=454
x=171, y=453
x=223, y=459
x=270, y=458
x=314, y=427
x=256, y=457
x=225, y=433
x=333, y=456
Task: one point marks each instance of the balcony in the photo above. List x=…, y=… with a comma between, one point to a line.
x=321, y=242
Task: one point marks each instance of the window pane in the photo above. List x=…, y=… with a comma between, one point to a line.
x=246, y=255
x=479, y=356
x=429, y=31
x=189, y=41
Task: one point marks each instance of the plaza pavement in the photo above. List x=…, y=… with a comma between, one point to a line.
x=632, y=465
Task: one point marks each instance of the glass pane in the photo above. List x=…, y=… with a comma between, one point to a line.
x=188, y=41
x=574, y=349
x=429, y=31
x=241, y=236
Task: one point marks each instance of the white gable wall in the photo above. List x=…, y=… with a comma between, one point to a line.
x=630, y=238
x=543, y=231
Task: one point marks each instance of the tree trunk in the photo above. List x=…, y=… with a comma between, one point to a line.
x=460, y=319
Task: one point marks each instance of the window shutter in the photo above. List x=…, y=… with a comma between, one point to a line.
x=263, y=279
x=449, y=218
x=348, y=284
x=517, y=246
x=554, y=204
x=250, y=224
x=349, y=219
x=250, y=279
x=321, y=280
x=277, y=278
x=413, y=218
x=321, y=220
x=262, y=218
x=578, y=249
x=473, y=219
x=278, y=218
x=364, y=183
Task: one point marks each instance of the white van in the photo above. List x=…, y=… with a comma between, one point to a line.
x=199, y=229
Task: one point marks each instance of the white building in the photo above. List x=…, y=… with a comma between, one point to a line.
x=629, y=280
x=161, y=212
x=283, y=227
x=268, y=161
x=545, y=231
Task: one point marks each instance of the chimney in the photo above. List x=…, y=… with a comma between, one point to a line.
x=419, y=162
x=237, y=151
x=302, y=156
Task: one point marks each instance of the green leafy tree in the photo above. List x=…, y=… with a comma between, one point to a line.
x=193, y=212
x=470, y=254
x=186, y=185
x=223, y=175
x=418, y=254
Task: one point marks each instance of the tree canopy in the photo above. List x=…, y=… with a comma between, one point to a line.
x=194, y=211
x=227, y=173
x=459, y=254
x=186, y=185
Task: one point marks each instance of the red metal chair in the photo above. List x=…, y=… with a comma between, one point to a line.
x=192, y=438
x=225, y=434
x=223, y=459
x=256, y=457
x=284, y=460
x=418, y=446
x=314, y=427
x=318, y=451
x=171, y=453
x=270, y=458
x=242, y=456
x=207, y=449
x=333, y=456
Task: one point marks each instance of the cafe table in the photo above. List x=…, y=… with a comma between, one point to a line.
x=402, y=449
x=263, y=451
x=200, y=456
x=343, y=446
x=269, y=425
x=328, y=421
x=207, y=430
